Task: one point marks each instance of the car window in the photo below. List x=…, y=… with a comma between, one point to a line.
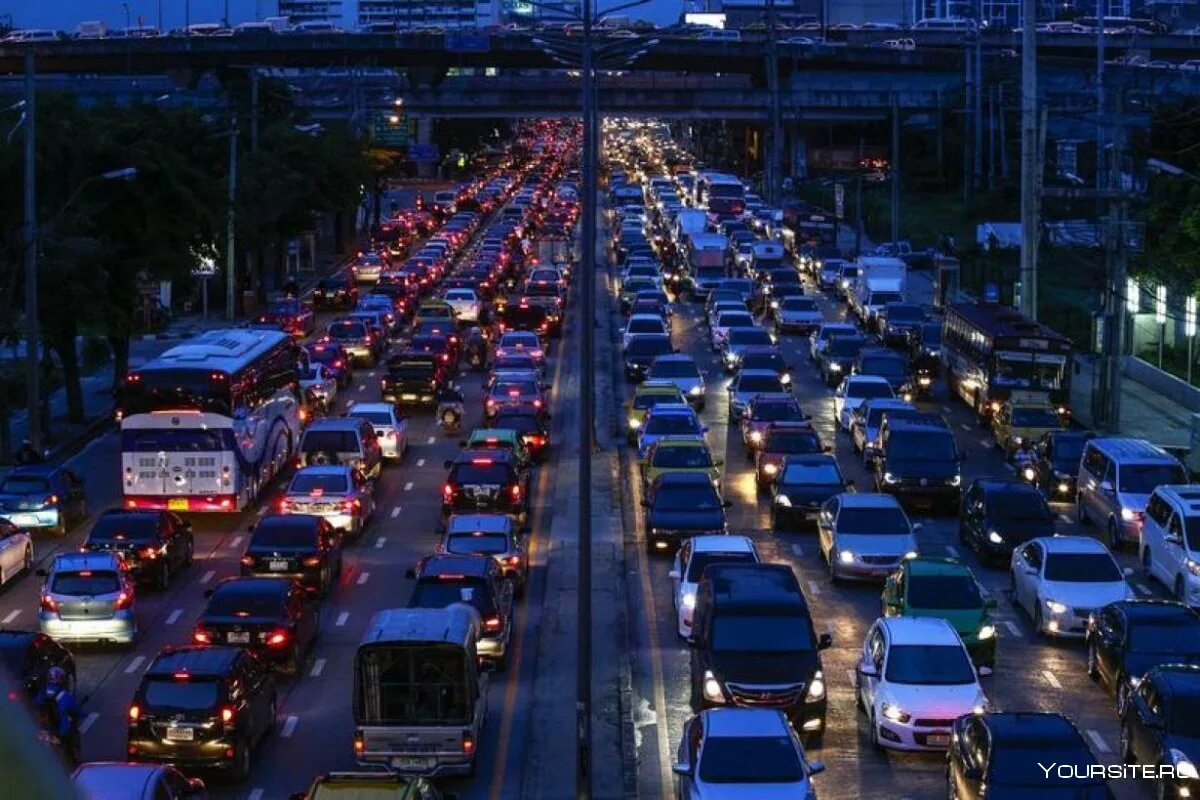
x=317, y=484
x=1082, y=568
x=750, y=759
x=929, y=665
x=85, y=582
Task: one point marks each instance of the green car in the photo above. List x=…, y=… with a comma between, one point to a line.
x=647, y=395
x=499, y=439
x=680, y=454
x=946, y=588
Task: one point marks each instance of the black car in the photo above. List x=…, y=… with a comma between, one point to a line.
x=753, y=644
x=996, y=756
x=486, y=481
x=802, y=485
x=1161, y=725
x=302, y=547
x=335, y=293
x=336, y=360
x=154, y=544
x=681, y=505
x=920, y=463
x=642, y=350
x=532, y=428
x=442, y=346
x=26, y=656
x=1056, y=464
x=895, y=320
x=838, y=357
x=477, y=580
x=274, y=617
x=523, y=317
x=202, y=707
x=1127, y=639
x=886, y=364
x=998, y=514
x=413, y=379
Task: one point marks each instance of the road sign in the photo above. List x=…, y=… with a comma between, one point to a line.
x=423, y=153
x=205, y=268
x=467, y=42
x=392, y=129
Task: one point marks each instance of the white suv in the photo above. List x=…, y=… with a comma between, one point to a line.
x=1171, y=540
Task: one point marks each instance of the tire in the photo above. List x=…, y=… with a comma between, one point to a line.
x=1093, y=670
x=1125, y=745
x=1037, y=623
x=873, y=733
x=1146, y=562
x=190, y=552
x=1114, y=536
x=27, y=562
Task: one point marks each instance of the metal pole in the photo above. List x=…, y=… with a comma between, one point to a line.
x=253, y=109
x=1162, y=334
x=32, y=326
x=858, y=201
x=895, y=168
x=230, y=263
x=1100, y=172
x=991, y=167
x=775, y=146
x=977, y=177
x=1030, y=166
x=968, y=81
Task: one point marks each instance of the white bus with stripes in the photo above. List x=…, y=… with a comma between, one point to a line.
x=208, y=424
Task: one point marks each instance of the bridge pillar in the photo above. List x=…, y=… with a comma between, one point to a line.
x=425, y=169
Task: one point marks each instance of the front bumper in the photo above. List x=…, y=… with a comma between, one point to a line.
x=862, y=570
x=807, y=716
x=309, y=578
x=403, y=398
x=120, y=628
x=908, y=736
x=933, y=493
x=32, y=520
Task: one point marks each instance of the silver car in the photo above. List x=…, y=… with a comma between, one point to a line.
x=681, y=370
x=390, y=427
x=748, y=384
x=88, y=597
x=339, y=494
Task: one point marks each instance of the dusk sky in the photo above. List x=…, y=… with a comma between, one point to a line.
x=65, y=14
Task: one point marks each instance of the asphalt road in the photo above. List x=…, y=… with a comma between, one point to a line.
x=1031, y=673
x=314, y=728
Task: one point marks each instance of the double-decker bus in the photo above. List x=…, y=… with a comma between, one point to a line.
x=720, y=194
x=991, y=350
x=208, y=424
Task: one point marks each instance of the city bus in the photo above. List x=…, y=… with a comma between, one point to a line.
x=720, y=194
x=208, y=424
x=991, y=350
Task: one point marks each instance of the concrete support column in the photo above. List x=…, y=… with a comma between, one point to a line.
x=425, y=169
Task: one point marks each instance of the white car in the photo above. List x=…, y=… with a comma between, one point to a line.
x=1060, y=581
x=734, y=753
x=319, y=382
x=865, y=535
x=690, y=560
x=853, y=392
x=718, y=307
x=914, y=678
x=726, y=321
x=643, y=323
x=681, y=370
x=390, y=427
x=819, y=340
x=465, y=303
x=16, y=551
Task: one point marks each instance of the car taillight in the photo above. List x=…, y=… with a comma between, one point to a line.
x=278, y=638
x=49, y=604
x=468, y=743
x=516, y=491
x=285, y=505
x=359, y=745
x=148, y=553
x=124, y=600
x=312, y=561
x=537, y=403
x=135, y=712
x=201, y=636
x=493, y=623
x=338, y=364
x=513, y=561
x=247, y=561
x=227, y=714
x=448, y=491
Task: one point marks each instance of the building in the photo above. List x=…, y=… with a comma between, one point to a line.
x=424, y=14
x=313, y=11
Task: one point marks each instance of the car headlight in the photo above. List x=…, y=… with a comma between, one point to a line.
x=924, y=380
x=730, y=357
x=835, y=366
x=995, y=538
x=980, y=707
x=774, y=304
x=956, y=480
x=846, y=556
x=1134, y=682
x=1129, y=515
x=689, y=600
x=816, y=689
x=634, y=424
x=1017, y=440
x=1184, y=768
x=895, y=713
x=987, y=631
x=889, y=477
x=785, y=379
x=1030, y=473
x=1193, y=566
x=783, y=500
x=910, y=555
x=1056, y=607
x=756, y=437
x=712, y=688
x=696, y=391
x=770, y=469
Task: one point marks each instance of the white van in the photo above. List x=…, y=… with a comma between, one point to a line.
x=1171, y=540
x=1116, y=477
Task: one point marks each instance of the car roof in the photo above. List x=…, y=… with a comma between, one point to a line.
x=810, y=459
x=470, y=523
x=739, y=722
x=1045, y=728
x=197, y=659
x=334, y=423
x=373, y=407
x=1127, y=449
x=82, y=561
x=758, y=373
x=868, y=500
x=115, y=778
x=680, y=440
x=722, y=544
x=929, y=565
x=335, y=469
x=680, y=409
x=920, y=630
x=1072, y=544
x=473, y=566
x=1151, y=609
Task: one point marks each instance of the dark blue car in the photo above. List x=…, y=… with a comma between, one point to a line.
x=43, y=496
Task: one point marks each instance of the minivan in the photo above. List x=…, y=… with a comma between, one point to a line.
x=1171, y=540
x=343, y=440
x=1116, y=477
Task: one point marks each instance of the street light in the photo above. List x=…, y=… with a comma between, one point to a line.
x=1189, y=329
x=1160, y=316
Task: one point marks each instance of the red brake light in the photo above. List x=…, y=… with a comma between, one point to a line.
x=124, y=600
x=312, y=561
x=49, y=604
x=516, y=491
x=227, y=713
x=468, y=743
x=201, y=636
x=135, y=712
x=448, y=491
x=277, y=638
x=493, y=623
x=481, y=461
x=514, y=561
x=247, y=561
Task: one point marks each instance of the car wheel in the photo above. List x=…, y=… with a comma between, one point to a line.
x=189, y=551
x=1114, y=536
x=27, y=561
x=1146, y=562
x=1092, y=671
x=1037, y=622
x=873, y=732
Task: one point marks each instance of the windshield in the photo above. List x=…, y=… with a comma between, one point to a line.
x=1145, y=478
x=929, y=665
x=515, y=388
x=883, y=521
x=347, y=330
x=329, y=442
x=1067, y=450
x=886, y=367
x=749, y=336
x=701, y=560
x=776, y=411
x=438, y=593
x=194, y=694
x=1019, y=506
x=675, y=369
x=921, y=446
x=768, y=633
x=750, y=759
x=824, y=474
x=904, y=314
x=1017, y=766
x=644, y=326
x=682, y=457
x=672, y=424
x=318, y=483
x=412, y=684
x=477, y=544
x=1035, y=417
x=736, y=320
x=931, y=335
x=943, y=592
x=649, y=345
x=842, y=346
x=686, y=498
x=792, y=442
x=798, y=304
x=25, y=484
x=85, y=582
x=1045, y=375
x=162, y=389
x=647, y=400
x=412, y=370
x=772, y=361
x=125, y=528
x=481, y=474
x=1082, y=568
x=759, y=383
x=373, y=417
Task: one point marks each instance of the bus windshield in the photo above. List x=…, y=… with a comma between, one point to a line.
x=418, y=684
x=1045, y=374
x=165, y=389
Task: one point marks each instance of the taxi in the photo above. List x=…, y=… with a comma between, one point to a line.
x=1023, y=420
x=438, y=310
x=649, y=394
x=672, y=454
x=499, y=439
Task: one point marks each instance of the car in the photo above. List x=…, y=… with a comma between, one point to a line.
x=367, y=268
x=764, y=410
x=737, y=752
x=522, y=342
x=291, y=316
x=495, y=535
x=889, y=365
x=27, y=656
x=275, y=618
x=530, y=430
x=668, y=419
x=646, y=396
x=441, y=345
x=335, y=441
x=356, y=337
x=1158, y=727
x=995, y=756
x=1061, y=581
x=1056, y=463
x=683, y=371
x=88, y=597
x=1015, y=423
x=514, y=392
x=724, y=322
x=802, y=485
x=390, y=428
x=691, y=559
x=643, y=324
x=919, y=462
x=741, y=339
x=1117, y=475
x=43, y=497
x=319, y=385
x=947, y=589
x=334, y=358
x=819, y=339
x=439, y=310
x=476, y=580
x=749, y=384
x=800, y=315
x=132, y=781
x=1128, y=638
x=765, y=357
x=154, y=545
x=681, y=505
x=466, y=304
x=781, y=439
x=337, y=292
x=914, y=679
x=838, y=357
x=865, y=536
x=866, y=423
x=366, y=785
x=486, y=481
x=302, y=547
x=498, y=438
x=517, y=362
x=1000, y=514
x=413, y=379
x=855, y=390
x=643, y=349
x=672, y=454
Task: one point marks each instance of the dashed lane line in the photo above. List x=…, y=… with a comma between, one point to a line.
x=1051, y=679
x=289, y=726
x=317, y=668
x=88, y=722
x=363, y=577
x=1013, y=628
x=797, y=551
x=10, y=616
x=381, y=541
x=814, y=589
x=341, y=619
x=134, y=664
x=432, y=439
x=1098, y=741
x=964, y=426
x=420, y=462
x=174, y=616
x=395, y=512
x=1065, y=518
x=235, y=542
x=208, y=576
x=408, y=486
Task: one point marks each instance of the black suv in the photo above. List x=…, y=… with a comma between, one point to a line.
x=836, y=360
x=202, y=707
x=680, y=505
x=303, y=547
x=919, y=463
x=413, y=379
x=338, y=292
x=886, y=364
x=998, y=514
x=154, y=544
x=753, y=644
x=486, y=481
x=1056, y=463
x=478, y=581
x=1158, y=725
x=642, y=350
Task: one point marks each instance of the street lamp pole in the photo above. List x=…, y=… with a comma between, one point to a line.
x=775, y=146
x=230, y=277
x=32, y=325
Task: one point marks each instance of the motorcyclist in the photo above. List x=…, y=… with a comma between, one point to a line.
x=475, y=347
x=1023, y=456
x=66, y=711
x=450, y=407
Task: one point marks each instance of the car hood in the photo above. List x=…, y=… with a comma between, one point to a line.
x=934, y=702
x=1188, y=745
x=765, y=668
x=1134, y=502
x=919, y=468
x=685, y=384
x=808, y=495
x=1016, y=531
x=1085, y=595
x=877, y=544
x=687, y=520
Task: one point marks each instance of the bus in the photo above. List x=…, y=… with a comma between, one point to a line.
x=991, y=350
x=208, y=424
x=721, y=194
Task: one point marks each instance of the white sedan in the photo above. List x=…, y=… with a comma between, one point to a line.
x=692, y=557
x=319, y=382
x=465, y=303
x=1060, y=581
x=390, y=427
x=853, y=392
x=643, y=323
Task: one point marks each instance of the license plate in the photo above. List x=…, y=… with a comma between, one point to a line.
x=177, y=504
x=177, y=734
x=408, y=397
x=413, y=763
x=239, y=638
x=277, y=566
x=24, y=519
x=938, y=740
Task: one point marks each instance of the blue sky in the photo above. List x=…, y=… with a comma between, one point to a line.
x=65, y=14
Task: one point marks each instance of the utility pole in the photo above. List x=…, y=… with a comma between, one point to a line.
x=775, y=146
x=1115, y=251
x=969, y=89
x=1100, y=104
x=895, y=168
x=1030, y=164
x=230, y=263
x=977, y=177
x=253, y=109
x=33, y=329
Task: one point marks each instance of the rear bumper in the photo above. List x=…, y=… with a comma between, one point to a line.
x=216, y=753
x=121, y=628
x=159, y=502
x=33, y=520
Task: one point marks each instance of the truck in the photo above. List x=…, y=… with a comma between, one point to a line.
x=552, y=250
x=688, y=223
x=881, y=280
x=706, y=261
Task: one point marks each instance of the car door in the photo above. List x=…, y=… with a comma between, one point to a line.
x=303, y=611
x=972, y=514
x=1143, y=716
x=679, y=569
x=1024, y=576
x=258, y=692
x=874, y=655
x=11, y=550
x=170, y=532
x=1154, y=544
x=1092, y=467
x=827, y=525
x=1110, y=643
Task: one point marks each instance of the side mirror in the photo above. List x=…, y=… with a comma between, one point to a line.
x=410, y=573
x=1106, y=487
x=447, y=464
x=825, y=641
x=867, y=670
x=674, y=574
x=816, y=767
x=681, y=768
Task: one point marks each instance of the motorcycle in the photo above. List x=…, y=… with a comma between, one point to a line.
x=449, y=417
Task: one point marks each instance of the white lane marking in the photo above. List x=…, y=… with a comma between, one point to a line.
x=174, y=616
x=380, y=541
x=1065, y=518
x=236, y=541
x=946, y=409
x=362, y=387
x=255, y=794
x=363, y=577
x=395, y=512
x=371, y=374
x=262, y=511
x=341, y=619
x=985, y=442
x=1098, y=740
x=420, y=462
x=952, y=550
x=88, y=722
x=289, y=726
x=797, y=551
x=1051, y=679
x=208, y=576
x=964, y=426
x=408, y=486
x=133, y=665
x=814, y=589
x=317, y=668
x=432, y=439
x=10, y=616
x=1013, y=628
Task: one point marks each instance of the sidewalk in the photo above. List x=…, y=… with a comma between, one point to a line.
x=1145, y=414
